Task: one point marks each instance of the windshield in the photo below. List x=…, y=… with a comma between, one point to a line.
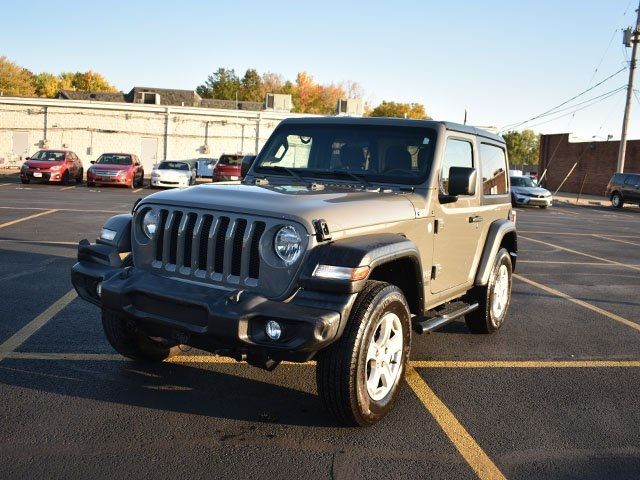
x=48, y=156
x=392, y=154
x=173, y=166
x=522, y=182
x=230, y=160
x=114, y=159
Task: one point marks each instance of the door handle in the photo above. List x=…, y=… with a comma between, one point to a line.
x=475, y=219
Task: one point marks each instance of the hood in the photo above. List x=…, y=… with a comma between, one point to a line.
x=109, y=167
x=42, y=164
x=342, y=208
x=169, y=172
x=531, y=190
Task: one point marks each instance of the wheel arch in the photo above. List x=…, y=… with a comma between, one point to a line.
x=502, y=234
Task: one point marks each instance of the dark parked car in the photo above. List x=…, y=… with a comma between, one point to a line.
x=52, y=166
x=228, y=168
x=624, y=188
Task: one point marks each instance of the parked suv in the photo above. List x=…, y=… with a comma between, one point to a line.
x=344, y=237
x=58, y=166
x=228, y=168
x=624, y=188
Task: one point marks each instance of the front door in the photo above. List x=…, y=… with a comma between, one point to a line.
x=456, y=230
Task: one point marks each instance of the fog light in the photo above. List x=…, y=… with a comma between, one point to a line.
x=273, y=330
x=99, y=289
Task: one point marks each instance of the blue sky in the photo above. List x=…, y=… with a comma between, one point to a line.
x=503, y=61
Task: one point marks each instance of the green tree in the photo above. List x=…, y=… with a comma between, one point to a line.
x=400, y=110
x=15, y=81
x=223, y=84
x=90, y=81
x=46, y=84
x=523, y=147
x=251, y=87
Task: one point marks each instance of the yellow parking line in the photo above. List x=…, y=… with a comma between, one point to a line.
x=564, y=263
x=613, y=262
x=477, y=459
x=63, y=209
x=138, y=189
x=34, y=325
x=581, y=234
x=617, y=240
x=4, y=184
x=23, y=219
x=582, y=303
x=65, y=356
x=67, y=188
x=526, y=363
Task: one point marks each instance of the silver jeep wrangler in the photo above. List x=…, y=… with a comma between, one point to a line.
x=344, y=237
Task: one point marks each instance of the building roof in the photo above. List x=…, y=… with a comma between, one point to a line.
x=97, y=96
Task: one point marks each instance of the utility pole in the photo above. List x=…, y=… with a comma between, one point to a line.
x=634, y=38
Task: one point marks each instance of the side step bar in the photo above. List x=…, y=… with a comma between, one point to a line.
x=444, y=316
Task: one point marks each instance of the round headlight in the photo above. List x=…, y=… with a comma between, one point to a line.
x=150, y=223
x=288, y=244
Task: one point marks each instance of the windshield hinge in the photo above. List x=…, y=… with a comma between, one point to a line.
x=322, y=230
x=261, y=181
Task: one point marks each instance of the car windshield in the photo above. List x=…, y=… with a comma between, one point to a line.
x=173, y=166
x=48, y=156
x=230, y=160
x=522, y=182
x=388, y=154
x=114, y=159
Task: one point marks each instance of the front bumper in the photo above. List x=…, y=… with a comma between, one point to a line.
x=44, y=176
x=211, y=318
x=533, y=201
x=109, y=180
x=160, y=182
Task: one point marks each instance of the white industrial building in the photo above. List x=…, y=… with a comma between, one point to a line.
x=141, y=124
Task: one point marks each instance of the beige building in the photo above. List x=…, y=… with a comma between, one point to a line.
x=143, y=125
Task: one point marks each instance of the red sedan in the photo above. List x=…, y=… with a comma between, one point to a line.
x=58, y=166
x=116, y=169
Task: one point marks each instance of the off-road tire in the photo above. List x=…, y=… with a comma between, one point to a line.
x=341, y=368
x=131, y=343
x=617, y=201
x=482, y=319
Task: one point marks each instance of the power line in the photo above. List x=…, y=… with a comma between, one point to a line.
x=552, y=110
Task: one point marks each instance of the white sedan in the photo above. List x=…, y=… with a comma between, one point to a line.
x=173, y=174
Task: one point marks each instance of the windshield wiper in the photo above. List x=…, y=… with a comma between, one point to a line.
x=290, y=171
x=346, y=173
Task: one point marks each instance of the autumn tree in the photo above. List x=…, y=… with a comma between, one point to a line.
x=523, y=147
x=400, y=110
x=251, y=87
x=15, y=81
x=45, y=84
x=90, y=81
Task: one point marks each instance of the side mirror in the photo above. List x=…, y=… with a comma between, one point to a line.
x=92, y=162
x=247, y=161
x=462, y=181
x=28, y=158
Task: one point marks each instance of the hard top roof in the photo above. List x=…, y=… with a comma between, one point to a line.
x=393, y=122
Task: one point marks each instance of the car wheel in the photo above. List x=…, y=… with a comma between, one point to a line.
x=91, y=184
x=493, y=299
x=543, y=206
x=25, y=181
x=130, y=342
x=65, y=178
x=617, y=201
x=360, y=375
x=80, y=176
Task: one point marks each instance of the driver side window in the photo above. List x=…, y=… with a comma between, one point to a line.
x=294, y=152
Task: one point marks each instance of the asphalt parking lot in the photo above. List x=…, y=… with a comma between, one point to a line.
x=554, y=394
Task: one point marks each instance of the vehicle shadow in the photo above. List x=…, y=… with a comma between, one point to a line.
x=210, y=392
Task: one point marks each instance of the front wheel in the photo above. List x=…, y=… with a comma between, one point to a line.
x=493, y=298
x=359, y=376
x=128, y=341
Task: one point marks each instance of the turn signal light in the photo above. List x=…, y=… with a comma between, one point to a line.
x=341, y=273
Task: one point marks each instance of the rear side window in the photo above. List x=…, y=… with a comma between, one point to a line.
x=457, y=153
x=494, y=170
x=632, y=180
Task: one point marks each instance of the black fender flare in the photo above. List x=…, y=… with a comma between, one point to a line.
x=365, y=250
x=121, y=224
x=498, y=230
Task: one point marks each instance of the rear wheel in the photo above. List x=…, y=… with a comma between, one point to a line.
x=130, y=342
x=360, y=375
x=617, y=201
x=493, y=298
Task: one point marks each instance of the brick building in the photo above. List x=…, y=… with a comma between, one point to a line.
x=596, y=163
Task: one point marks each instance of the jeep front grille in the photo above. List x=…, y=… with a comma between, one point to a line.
x=220, y=247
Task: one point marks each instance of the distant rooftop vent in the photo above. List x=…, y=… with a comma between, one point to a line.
x=351, y=107
x=150, y=98
x=278, y=102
